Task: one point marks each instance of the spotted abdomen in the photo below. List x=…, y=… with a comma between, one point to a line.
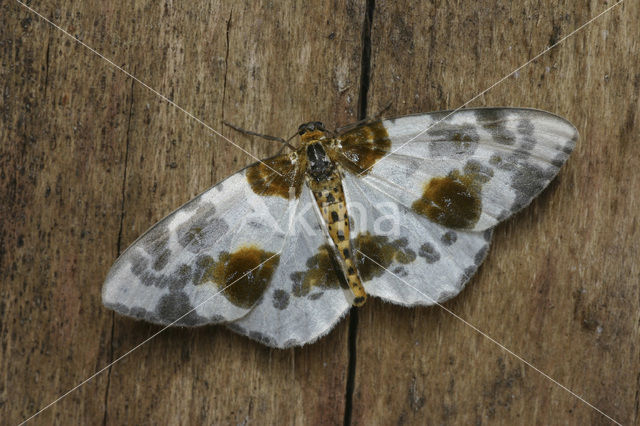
x=325, y=181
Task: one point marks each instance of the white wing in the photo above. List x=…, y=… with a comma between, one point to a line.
x=305, y=299
x=186, y=260
x=404, y=257
x=254, y=261
x=475, y=167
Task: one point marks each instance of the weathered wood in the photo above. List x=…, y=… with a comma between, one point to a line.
x=62, y=129
x=89, y=159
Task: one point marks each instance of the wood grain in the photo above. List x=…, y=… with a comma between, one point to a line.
x=90, y=158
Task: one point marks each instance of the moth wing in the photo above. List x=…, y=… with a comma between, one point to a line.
x=228, y=236
x=472, y=168
x=306, y=298
x=403, y=257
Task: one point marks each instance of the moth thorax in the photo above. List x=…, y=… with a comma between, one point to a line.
x=320, y=165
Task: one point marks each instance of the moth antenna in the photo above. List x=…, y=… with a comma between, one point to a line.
x=261, y=135
x=383, y=110
x=291, y=137
x=366, y=120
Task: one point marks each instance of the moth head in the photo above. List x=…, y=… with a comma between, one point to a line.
x=313, y=130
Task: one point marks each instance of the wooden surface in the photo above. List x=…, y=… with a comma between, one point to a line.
x=89, y=159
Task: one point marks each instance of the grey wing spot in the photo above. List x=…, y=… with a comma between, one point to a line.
x=179, y=278
x=560, y=159
x=201, y=230
x=449, y=238
x=526, y=130
x=139, y=265
x=479, y=257
x=429, y=253
x=202, y=265
x=491, y=121
x=528, y=180
x=488, y=234
x=280, y=299
x=176, y=280
x=502, y=135
x=449, y=142
x=467, y=274
x=156, y=239
x=401, y=242
x=481, y=173
x=528, y=143
x=140, y=268
x=495, y=160
x=525, y=127
x=215, y=319
x=412, y=164
x=176, y=306
x=400, y=271
x=296, y=279
x=408, y=256
x=255, y=223
x=507, y=164
x=161, y=260
x=155, y=243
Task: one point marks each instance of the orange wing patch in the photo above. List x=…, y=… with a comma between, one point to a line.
x=249, y=269
x=455, y=200
x=321, y=273
x=265, y=181
x=383, y=252
x=362, y=147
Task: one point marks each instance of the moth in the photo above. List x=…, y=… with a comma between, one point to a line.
x=281, y=250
